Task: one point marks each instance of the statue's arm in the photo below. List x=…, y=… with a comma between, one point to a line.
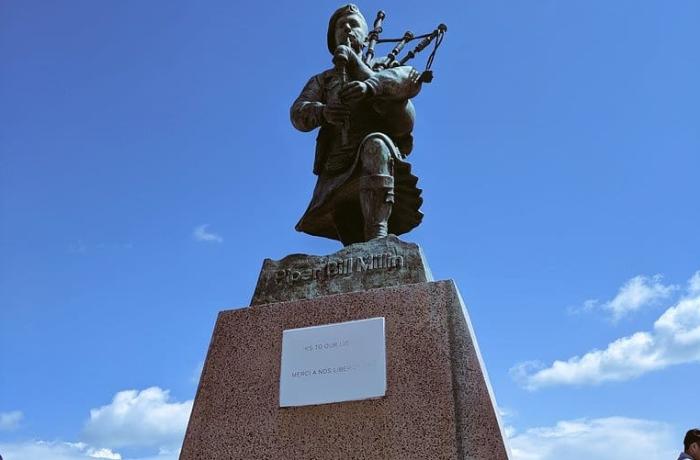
x=307, y=110
x=392, y=90
x=395, y=84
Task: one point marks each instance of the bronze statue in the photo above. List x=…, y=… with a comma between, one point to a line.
x=362, y=105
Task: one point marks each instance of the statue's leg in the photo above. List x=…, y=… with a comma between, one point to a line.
x=376, y=186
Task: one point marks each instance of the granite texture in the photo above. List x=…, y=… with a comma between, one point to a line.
x=438, y=403
x=377, y=263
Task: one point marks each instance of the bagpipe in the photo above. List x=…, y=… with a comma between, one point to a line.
x=391, y=60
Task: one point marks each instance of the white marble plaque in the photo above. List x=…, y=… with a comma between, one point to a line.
x=333, y=363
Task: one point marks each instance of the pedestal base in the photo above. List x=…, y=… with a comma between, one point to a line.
x=438, y=403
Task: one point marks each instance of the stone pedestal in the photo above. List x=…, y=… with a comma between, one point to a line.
x=438, y=403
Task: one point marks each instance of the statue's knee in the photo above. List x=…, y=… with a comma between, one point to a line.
x=376, y=146
x=375, y=156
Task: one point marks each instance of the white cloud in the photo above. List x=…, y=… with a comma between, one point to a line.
x=55, y=450
x=674, y=339
x=145, y=420
x=694, y=284
x=201, y=234
x=600, y=439
x=43, y=450
x=78, y=247
x=10, y=420
x=139, y=419
x=636, y=293
x=506, y=414
x=104, y=453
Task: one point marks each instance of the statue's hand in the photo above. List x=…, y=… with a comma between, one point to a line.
x=354, y=91
x=335, y=113
x=343, y=55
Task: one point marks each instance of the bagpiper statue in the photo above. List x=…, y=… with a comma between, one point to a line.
x=362, y=105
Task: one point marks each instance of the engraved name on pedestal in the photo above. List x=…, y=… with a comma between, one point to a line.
x=333, y=363
x=345, y=266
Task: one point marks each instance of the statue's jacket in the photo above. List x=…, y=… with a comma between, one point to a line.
x=388, y=113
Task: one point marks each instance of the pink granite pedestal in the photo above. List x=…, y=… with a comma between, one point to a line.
x=438, y=403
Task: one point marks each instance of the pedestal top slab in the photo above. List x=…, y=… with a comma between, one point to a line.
x=383, y=262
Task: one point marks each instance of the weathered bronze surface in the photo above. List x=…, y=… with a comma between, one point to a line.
x=365, y=188
x=382, y=262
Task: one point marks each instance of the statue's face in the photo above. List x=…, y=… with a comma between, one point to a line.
x=350, y=27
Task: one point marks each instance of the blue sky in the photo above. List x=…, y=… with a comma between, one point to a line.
x=558, y=148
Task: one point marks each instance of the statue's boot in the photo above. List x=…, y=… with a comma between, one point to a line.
x=376, y=200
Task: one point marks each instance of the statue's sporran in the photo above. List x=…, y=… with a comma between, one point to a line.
x=365, y=188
